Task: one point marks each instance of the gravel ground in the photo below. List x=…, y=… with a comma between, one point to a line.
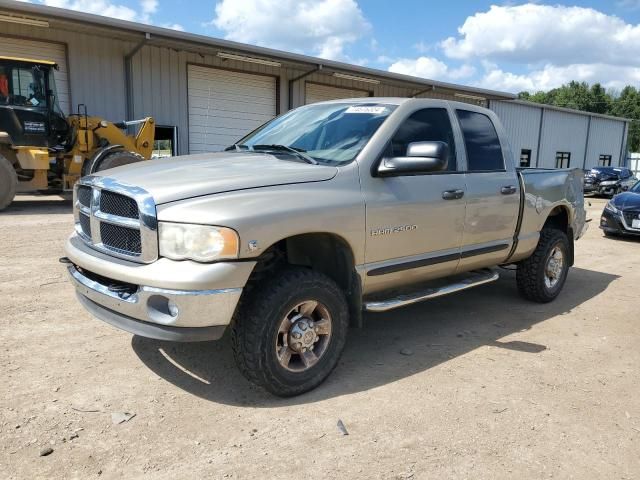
x=487, y=385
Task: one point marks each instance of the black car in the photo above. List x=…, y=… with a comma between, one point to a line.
x=608, y=180
x=621, y=216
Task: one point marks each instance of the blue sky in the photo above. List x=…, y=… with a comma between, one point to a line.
x=509, y=46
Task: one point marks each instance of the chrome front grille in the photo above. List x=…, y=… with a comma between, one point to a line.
x=85, y=224
x=84, y=195
x=121, y=239
x=116, y=219
x=116, y=204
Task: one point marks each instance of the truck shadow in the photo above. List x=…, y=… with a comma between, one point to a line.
x=39, y=205
x=433, y=332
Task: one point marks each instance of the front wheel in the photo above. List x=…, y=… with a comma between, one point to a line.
x=540, y=277
x=290, y=330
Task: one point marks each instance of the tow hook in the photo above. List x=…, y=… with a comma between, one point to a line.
x=65, y=260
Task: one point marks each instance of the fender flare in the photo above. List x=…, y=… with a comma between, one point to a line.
x=92, y=164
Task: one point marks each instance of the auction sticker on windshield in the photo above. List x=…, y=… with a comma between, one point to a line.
x=364, y=109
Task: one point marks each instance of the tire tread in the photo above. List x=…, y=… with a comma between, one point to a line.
x=530, y=271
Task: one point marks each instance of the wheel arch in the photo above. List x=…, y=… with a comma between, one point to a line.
x=325, y=252
x=559, y=218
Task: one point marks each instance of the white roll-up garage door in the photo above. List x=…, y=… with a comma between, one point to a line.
x=315, y=92
x=35, y=50
x=224, y=106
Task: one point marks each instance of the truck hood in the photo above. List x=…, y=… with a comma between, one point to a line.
x=179, y=178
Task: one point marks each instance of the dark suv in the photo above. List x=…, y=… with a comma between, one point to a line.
x=608, y=180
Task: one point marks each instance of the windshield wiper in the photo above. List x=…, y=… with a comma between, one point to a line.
x=239, y=147
x=298, y=152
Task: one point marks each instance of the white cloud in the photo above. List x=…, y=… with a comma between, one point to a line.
x=320, y=27
x=431, y=68
x=149, y=7
x=539, y=34
x=552, y=76
x=98, y=7
x=173, y=26
x=144, y=14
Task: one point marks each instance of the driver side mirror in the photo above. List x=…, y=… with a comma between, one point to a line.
x=421, y=157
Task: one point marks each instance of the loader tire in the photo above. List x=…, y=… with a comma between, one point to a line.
x=8, y=183
x=117, y=159
x=540, y=277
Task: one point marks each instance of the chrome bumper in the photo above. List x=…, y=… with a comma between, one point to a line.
x=168, y=308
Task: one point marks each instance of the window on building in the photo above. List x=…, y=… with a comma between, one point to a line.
x=525, y=158
x=484, y=152
x=166, y=142
x=563, y=159
x=428, y=125
x=604, y=161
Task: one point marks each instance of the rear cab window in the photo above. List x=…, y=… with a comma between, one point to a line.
x=484, y=152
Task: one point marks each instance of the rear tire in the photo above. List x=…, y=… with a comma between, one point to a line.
x=275, y=316
x=117, y=159
x=8, y=183
x=540, y=277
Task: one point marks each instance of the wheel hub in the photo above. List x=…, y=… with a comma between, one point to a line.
x=302, y=336
x=554, y=267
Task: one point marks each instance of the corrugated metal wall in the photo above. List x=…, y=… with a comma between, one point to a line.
x=522, y=124
x=96, y=67
x=605, y=137
x=159, y=78
x=563, y=132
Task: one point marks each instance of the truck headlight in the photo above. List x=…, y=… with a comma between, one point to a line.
x=611, y=207
x=201, y=243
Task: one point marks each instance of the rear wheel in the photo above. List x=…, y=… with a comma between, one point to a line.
x=289, y=331
x=117, y=159
x=540, y=277
x=8, y=183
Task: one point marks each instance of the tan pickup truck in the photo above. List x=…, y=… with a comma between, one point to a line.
x=327, y=211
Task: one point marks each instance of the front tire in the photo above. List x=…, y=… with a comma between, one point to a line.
x=290, y=330
x=8, y=183
x=540, y=277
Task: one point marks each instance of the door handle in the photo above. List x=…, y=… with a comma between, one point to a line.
x=453, y=194
x=508, y=190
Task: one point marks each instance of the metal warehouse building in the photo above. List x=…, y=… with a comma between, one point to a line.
x=206, y=93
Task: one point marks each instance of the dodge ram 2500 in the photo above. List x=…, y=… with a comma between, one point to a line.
x=324, y=212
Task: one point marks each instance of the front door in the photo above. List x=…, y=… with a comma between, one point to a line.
x=413, y=233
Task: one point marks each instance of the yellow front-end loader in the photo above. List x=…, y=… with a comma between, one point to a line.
x=41, y=150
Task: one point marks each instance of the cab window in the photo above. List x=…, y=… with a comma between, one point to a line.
x=427, y=125
x=22, y=86
x=484, y=152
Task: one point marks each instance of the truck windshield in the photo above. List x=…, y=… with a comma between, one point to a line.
x=329, y=133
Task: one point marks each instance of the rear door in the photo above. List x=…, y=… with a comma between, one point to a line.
x=492, y=192
x=413, y=233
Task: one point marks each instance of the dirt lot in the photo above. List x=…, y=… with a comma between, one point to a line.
x=495, y=387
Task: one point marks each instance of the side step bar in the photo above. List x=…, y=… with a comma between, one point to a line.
x=475, y=278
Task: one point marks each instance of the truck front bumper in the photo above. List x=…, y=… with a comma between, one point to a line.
x=136, y=297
